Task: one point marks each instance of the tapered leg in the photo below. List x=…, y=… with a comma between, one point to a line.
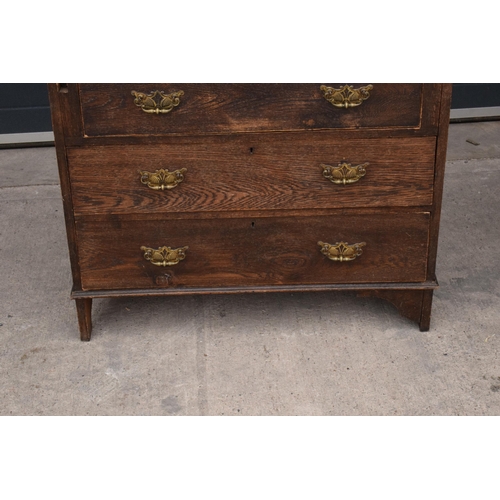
x=84, y=312
x=425, y=318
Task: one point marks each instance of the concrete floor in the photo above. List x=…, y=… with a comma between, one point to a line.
x=272, y=354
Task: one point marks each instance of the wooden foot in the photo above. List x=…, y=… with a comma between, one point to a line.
x=412, y=304
x=425, y=318
x=84, y=312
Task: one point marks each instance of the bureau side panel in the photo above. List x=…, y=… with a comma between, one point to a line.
x=441, y=148
x=63, y=103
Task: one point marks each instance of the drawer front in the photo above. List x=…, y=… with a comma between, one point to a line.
x=258, y=172
x=133, y=254
x=113, y=109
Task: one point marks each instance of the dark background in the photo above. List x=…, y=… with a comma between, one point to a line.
x=24, y=107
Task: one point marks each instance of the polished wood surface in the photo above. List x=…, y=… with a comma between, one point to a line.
x=260, y=251
x=262, y=172
x=109, y=109
x=254, y=202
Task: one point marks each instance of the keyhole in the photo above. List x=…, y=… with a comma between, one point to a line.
x=162, y=279
x=252, y=225
x=251, y=151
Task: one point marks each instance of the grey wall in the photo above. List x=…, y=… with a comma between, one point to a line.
x=24, y=107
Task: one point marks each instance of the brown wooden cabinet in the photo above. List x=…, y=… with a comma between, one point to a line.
x=225, y=188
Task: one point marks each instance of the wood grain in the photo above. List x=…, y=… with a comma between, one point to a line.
x=254, y=202
x=61, y=105
x=262, y=172
x=359, y=288
x=266, y=251
x=441, y=149
x=109, y=109
x=84, y=313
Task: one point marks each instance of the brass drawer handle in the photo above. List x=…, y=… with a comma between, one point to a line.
x=346, y=96
x=164, y=256
x=344, y=173
x=157, y=102
x=342, y=251
x=162, y=179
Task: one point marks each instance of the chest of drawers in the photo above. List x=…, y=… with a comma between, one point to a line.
x=225, y=188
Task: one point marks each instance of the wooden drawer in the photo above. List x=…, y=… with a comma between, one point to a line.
x=252, y=251
x=109, y=109
x=257, y=172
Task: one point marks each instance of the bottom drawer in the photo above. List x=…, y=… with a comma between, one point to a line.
x=252, y=251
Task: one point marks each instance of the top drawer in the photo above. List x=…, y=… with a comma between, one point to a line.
x=187, y=108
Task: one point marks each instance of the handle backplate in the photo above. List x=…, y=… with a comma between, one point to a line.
x=162, y=179
x=164, y=256
x=344, y=173
x=342, y=251
x=157, y=102
x=346, y=96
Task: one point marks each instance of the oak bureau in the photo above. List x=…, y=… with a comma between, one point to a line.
x=223, y=188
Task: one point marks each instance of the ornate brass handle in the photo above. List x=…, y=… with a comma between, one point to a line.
x=342, y=251
x=157, y=102
x=346, y=96
x=162, y=179
x=344, y=173
x=164, y=256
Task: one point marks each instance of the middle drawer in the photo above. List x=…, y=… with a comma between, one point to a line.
x=253, y=172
